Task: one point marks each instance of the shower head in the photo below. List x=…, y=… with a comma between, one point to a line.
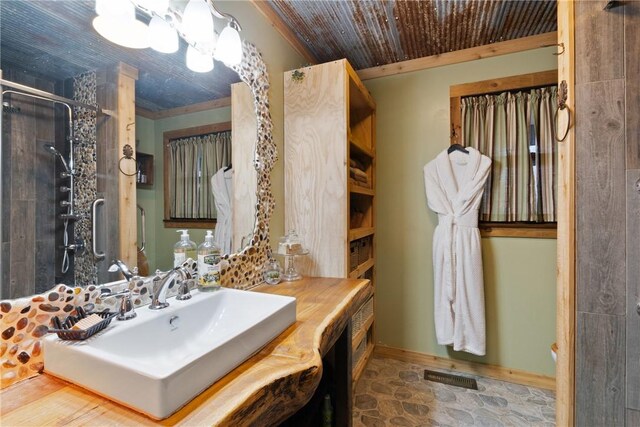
x=51, y=149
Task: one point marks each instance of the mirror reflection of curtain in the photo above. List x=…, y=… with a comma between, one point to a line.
x=193, y=160
x=515, y=129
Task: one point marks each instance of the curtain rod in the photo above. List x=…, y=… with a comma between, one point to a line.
x=53, y=97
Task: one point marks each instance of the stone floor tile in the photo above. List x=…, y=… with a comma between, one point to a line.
x=394, y=393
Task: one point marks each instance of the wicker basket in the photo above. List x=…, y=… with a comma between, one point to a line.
x=364, y=250
x=360, y=318
x=358, y=353
x=353, y=255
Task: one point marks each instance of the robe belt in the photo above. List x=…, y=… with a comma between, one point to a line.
x=451, y=222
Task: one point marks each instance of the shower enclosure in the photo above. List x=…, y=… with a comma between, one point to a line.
x=44, y=221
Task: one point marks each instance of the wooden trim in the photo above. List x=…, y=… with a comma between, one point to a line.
x=502, y=84
x=189, y=223
x=538, y=231
x=280, y=26
x=166, y=138
x=147, y=114
x=566, y=249
x=195, y=131
x=489, y=371
x=459, y=56
x=187, y=109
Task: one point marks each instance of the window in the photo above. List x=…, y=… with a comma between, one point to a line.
x=191, y=157
x=511, y=120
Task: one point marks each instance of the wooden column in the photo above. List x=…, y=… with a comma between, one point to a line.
x=117, y=227
x=566, y=236
x=126, y=77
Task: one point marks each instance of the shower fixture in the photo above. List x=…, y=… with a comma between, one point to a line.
x=51, y=149
x=78, y=246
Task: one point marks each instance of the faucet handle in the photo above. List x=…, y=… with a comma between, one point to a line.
x=184, y=292
x=126, y=311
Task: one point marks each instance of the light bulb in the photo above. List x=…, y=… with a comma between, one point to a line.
x=229, y=48
x=197, y=22
x=162, y=36
x=129, y=33
x=198, y=61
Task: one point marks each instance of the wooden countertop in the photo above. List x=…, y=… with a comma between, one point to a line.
x=266, y=389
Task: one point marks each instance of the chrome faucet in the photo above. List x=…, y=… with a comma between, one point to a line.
x=126, y=309
x=161, y=287
x=117, y=265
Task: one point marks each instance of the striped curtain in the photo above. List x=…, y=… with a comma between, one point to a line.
x=515, y=129
x=193, y=161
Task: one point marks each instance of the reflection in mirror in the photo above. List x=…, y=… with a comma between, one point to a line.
x=86, y=68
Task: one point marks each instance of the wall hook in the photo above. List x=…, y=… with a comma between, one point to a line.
x=560, y=45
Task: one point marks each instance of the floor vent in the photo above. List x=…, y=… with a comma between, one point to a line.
x=450, y=379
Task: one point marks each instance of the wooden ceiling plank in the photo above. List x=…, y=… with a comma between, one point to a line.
x=276, y=22
x=456, y=57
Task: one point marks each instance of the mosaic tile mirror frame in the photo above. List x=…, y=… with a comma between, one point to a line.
x=24, y=321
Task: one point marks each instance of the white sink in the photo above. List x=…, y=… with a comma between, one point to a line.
x=155, y=366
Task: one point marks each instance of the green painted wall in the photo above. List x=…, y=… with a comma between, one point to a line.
x=412, y=128
x=279, y=57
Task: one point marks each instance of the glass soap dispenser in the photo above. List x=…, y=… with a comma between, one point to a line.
x=208, y=264
x=185, y=248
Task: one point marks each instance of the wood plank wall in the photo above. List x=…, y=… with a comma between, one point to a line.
x=608, y=213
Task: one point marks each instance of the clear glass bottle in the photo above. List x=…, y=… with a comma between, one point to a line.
x=272, y=272
x=208, y=264
x=184, y=249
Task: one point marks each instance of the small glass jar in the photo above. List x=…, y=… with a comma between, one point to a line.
x=272, y=272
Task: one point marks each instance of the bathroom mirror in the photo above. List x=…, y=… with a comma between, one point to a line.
x=45, y=45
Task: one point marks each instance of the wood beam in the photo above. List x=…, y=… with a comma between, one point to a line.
x=276, y=22
x=459, y=56
x=126, y=83
x=179, y=111
x=566, y=249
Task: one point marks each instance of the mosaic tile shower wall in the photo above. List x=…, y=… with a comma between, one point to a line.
x=84, y=129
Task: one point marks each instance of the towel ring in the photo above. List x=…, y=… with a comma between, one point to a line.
x=127, y=150
x=566, y=131
x=562, y=105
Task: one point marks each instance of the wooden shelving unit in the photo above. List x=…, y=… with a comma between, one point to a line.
x=145, y=164
x=330, y=122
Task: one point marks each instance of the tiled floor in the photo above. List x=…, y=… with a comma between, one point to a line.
x=394, y=393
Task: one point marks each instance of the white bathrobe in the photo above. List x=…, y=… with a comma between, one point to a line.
x=222, y=189
x=454, y=185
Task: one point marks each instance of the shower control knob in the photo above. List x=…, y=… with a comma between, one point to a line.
x=65, y=175
x=65, y=203
x=65, y=189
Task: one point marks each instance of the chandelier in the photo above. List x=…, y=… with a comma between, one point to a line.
x=117, y=22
